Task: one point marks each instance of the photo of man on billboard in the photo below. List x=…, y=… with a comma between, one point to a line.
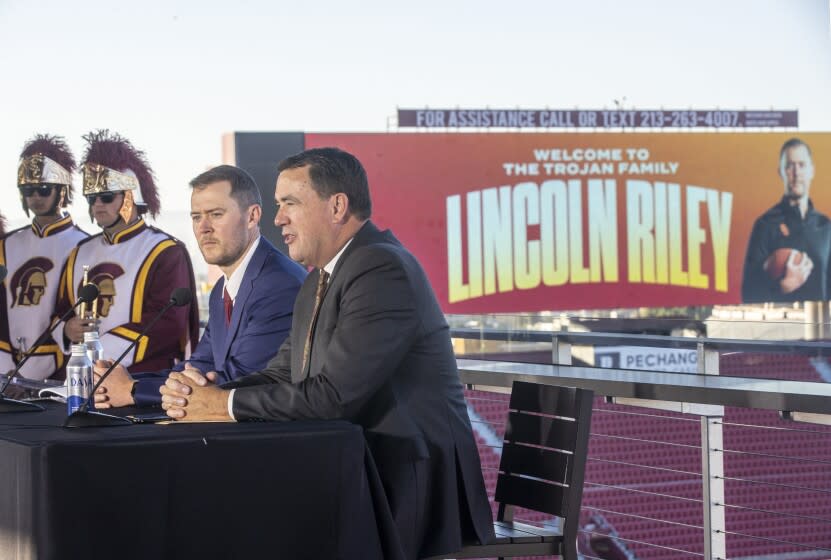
x=789, y=249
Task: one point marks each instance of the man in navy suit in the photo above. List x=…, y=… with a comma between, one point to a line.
x=250, y=308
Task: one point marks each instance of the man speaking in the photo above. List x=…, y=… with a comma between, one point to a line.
x=369, y=344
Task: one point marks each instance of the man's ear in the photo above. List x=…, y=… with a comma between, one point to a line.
x=255, y=212
x=340, y=207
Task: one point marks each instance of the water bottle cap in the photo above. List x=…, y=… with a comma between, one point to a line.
x=90, y=335
x=79, y=349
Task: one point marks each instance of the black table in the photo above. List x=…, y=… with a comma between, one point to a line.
x=189, y=491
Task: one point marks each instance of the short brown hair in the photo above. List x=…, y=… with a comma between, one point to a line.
x=243, y=187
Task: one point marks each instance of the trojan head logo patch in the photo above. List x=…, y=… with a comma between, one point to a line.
x=103, y=275
x=28, y=283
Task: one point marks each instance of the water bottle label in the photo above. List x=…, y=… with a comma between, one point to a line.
x=73, y=403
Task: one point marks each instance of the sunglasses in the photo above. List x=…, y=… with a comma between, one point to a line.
x=40, y=190
x=106, y=197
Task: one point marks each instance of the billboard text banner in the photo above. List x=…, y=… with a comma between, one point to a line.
x=515, y=222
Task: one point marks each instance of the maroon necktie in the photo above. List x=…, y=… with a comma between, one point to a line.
x=229, y=306
x=321, y=288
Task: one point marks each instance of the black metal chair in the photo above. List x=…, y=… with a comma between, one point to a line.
x=542, y=466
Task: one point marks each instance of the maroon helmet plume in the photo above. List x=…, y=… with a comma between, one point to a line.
x=53, y=147
x=116, y=152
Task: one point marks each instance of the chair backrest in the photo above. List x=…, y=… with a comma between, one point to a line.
x=544, y=453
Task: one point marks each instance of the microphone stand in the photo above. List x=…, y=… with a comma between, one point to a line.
x=88, y=293
x=86, y=418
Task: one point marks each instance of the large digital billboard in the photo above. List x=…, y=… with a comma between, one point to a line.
x=517, y=222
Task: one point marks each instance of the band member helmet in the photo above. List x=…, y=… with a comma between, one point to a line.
x=46, y=160
x=112, y=164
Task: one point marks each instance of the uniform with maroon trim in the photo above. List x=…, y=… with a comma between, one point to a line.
x=135, y=271
x=34, y=257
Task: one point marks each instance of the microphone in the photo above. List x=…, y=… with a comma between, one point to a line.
x=83, y=417
x=86, y=294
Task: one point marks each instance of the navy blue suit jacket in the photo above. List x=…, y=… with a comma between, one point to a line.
x=260, y=321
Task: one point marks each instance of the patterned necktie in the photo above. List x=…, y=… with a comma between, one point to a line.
x=321, y=288
x=229, y=307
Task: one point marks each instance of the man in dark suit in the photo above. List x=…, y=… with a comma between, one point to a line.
x=369, y=344
x=245, y=328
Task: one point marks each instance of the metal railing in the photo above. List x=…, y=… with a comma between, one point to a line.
x=764, y=495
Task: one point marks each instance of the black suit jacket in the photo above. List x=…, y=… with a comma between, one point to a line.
x=381, y=357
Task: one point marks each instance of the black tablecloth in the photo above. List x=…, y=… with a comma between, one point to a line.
x=189, y=491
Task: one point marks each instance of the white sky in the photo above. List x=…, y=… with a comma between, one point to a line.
x=174, y=75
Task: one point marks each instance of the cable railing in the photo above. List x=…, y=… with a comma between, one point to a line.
x=684, y=465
